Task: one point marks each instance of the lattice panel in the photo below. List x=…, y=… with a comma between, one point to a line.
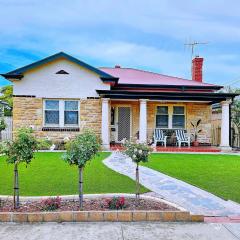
x=124, y=121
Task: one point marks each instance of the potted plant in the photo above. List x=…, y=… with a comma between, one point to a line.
x=196, y=131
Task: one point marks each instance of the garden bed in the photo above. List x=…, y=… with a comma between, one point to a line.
x=89, y=204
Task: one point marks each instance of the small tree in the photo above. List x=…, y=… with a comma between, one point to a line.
x=138, y=152
x=3, y=126
x=21, y=150
x=79, y=151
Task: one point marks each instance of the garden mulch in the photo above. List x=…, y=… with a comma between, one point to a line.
x=97, y=204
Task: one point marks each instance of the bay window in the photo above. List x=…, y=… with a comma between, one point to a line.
x=170, y=117
x=61, y=113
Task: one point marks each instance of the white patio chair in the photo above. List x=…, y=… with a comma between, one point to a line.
x=182, y=137
x=159, y=136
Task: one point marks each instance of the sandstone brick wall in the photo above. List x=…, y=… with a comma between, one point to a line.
x=197, y=111
x=194, y=111
x=28, y=112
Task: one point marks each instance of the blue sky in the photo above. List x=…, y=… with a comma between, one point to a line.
x=132, y=33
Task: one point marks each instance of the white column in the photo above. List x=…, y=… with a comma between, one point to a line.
x=143, y=121
x=105, y=123
x=225, y=131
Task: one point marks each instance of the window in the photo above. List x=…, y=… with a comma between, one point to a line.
x=60, y=113
x=170, y=117
x=178, y=119
x=52, y=112
x=162, y=117
x=71, y=113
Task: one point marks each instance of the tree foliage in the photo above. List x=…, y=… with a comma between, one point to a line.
x=7, y=96
x=79, y=151
x=82, y=149
x=138, y=152
x=22, y=148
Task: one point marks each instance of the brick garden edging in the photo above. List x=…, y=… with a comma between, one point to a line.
x=180, y=215
x=100, y=216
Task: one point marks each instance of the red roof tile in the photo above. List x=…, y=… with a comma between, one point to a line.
x=136, y=76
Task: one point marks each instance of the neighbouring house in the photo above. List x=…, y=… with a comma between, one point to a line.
x=61, y=95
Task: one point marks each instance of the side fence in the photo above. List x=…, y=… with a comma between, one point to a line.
x=7, y=133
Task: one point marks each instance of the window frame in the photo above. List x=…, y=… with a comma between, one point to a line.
x=178, y=114
x=71, y=125
x=61, y=114
x=170, y=115
x=163, y=115
x=44, y=113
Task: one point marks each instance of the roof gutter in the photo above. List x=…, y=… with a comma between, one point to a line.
x=183, y=87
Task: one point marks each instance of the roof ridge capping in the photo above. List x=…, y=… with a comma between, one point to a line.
x=18, y=73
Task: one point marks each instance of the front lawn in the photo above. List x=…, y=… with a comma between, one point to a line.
x=49, y=175
x=218, y=174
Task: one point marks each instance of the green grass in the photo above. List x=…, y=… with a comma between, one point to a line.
x=218, y=174
x=49, y=175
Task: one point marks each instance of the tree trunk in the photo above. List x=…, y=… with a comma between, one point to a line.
x=16, y=187
x=80, y=187
x=137, y=184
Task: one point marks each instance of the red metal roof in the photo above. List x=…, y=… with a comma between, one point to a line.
x=137, y=76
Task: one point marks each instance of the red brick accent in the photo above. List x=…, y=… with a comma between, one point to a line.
x=197, y=64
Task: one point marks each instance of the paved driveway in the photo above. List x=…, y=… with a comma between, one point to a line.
x=189, y=197
x=119, y=231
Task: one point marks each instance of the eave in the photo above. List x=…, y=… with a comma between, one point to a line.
x=10, y=76
x=177, y=96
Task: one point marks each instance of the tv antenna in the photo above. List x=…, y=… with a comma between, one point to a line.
x=192, y=45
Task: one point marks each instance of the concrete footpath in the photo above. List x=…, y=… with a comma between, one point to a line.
x=192, y=198
x=119, y=231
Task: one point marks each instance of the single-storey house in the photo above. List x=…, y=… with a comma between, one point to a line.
x=60, y=95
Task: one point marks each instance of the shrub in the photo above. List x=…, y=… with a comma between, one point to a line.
x=51, y=204
x=116, y=203
x=44, y=144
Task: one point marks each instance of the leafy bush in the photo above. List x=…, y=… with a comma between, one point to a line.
x=60, y=145
x=116, y=203
x=44, y=144
x=138, y=152
x=51, y=204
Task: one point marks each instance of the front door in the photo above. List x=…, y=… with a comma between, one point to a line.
x=124, y=123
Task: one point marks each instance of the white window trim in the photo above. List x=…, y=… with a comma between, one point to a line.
x=184, y=114
x=61, y=114
x=170, y=115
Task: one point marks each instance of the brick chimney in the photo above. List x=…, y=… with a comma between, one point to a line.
x=197, y=64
